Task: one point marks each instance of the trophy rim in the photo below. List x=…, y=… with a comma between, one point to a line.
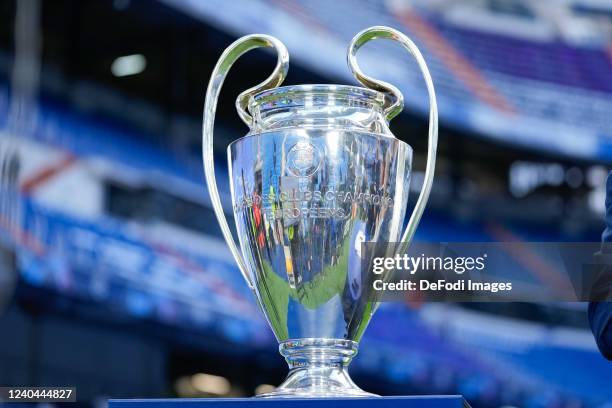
x=371, y=95
x=362, y=132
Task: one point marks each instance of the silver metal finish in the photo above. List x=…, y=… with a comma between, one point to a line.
x=227, y=59
x=395, y=106
x=318, y=174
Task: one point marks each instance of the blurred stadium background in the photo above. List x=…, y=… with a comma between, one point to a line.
x=114, y=277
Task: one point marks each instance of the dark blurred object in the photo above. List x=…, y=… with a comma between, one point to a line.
x=600, y=316
x=600, y=313
x=8, y=276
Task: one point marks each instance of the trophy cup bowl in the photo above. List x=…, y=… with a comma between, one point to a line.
x=319, y=174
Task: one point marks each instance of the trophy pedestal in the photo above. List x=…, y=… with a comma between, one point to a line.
x=318, y=382
x=432, y=401
x=318, y=368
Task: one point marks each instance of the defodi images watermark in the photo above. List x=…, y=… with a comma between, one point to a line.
x=413, y=264
x=492, y=271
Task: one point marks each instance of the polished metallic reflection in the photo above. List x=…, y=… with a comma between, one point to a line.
x=318, y=174
x=305, y=198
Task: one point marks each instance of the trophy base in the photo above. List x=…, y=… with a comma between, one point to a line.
x=318, y=368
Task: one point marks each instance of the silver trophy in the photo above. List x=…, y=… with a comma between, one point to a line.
x=318, y=174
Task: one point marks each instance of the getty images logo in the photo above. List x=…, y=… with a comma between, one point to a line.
x=412, y=264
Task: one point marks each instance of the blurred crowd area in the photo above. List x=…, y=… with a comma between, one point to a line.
x=113, y=274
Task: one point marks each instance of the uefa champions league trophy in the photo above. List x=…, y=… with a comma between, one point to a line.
x=318, y=174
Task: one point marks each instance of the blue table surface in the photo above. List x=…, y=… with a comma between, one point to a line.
x=430, y=401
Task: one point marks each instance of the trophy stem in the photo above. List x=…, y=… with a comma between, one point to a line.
x=318, y=368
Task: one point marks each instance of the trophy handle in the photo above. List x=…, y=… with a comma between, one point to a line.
x=227, y=59
x=395, y=103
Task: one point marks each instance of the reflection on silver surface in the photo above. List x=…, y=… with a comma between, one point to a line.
x=319, y=174
x=305, y=197
x=309, y=185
